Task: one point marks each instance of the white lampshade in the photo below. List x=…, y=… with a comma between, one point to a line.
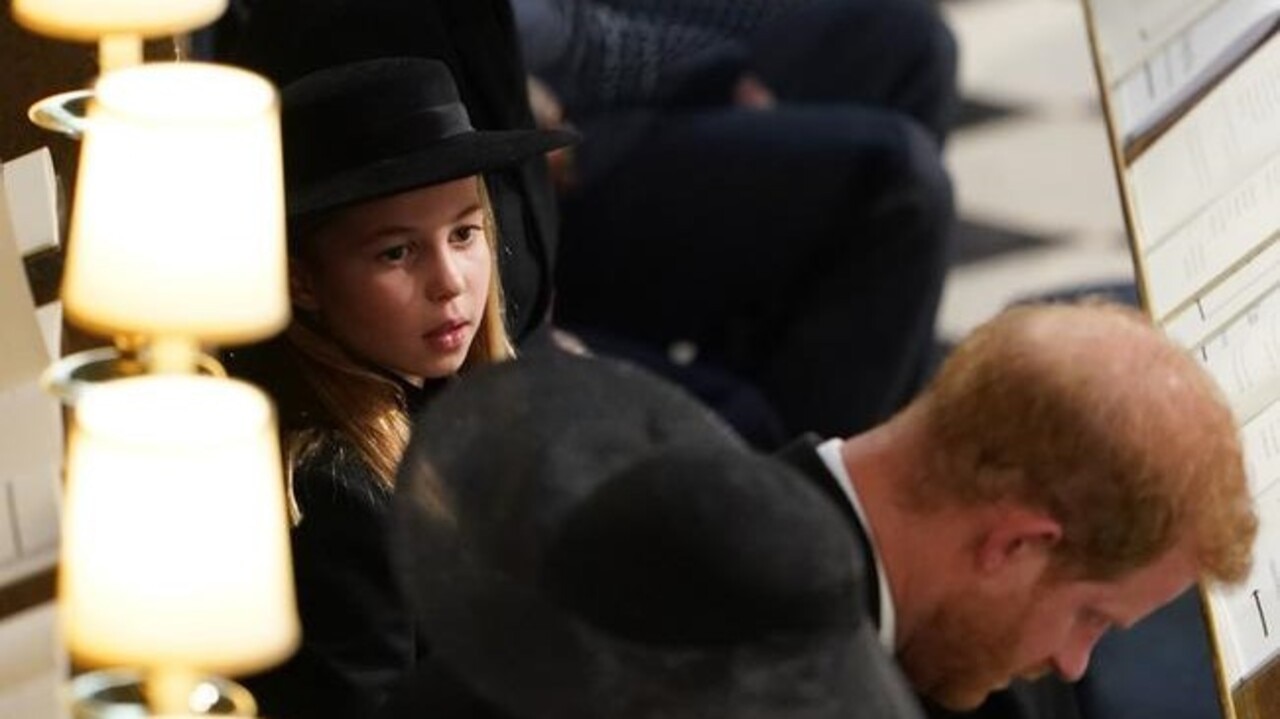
x=178, y=224
x=175, y=547
x=87, y=20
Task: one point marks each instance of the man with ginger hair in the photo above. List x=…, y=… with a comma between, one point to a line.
x=1069, y=470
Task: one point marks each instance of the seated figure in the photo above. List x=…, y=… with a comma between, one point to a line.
x=759, y=190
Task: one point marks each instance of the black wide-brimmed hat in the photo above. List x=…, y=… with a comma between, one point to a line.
x=373, y=128
x=581, y=540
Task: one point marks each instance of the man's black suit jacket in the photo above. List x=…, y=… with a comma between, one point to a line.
x=1047, y=698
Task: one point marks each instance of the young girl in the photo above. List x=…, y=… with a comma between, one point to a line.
x=395, y=288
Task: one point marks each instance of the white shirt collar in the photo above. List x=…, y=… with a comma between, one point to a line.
x=829, y=452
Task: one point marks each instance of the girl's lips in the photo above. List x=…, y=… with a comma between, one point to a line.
x=448, y=337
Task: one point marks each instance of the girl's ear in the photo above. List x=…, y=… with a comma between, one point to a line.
x=302, y=290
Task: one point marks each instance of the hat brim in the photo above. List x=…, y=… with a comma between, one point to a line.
x=461, y=156
x=463, y=499
x=532, y=660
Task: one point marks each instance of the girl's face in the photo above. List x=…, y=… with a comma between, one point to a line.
x=401, y=281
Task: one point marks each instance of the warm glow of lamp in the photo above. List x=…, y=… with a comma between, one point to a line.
x=178, y=223
x=119, y=24
x=88, y=19
x=175, y=550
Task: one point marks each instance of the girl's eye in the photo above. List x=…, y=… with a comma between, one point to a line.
x=394, y=254
x=467, y=234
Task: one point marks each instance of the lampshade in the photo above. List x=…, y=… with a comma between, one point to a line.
x=87, y=20
x=175, y=546
x=178, y=223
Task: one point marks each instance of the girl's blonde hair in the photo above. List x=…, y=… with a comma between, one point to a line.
x=367, y=407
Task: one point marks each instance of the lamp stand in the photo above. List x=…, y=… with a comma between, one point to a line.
x=172, y=354
x=69, y=376
x=131, y=694
x=117, y=51
x=169, y=690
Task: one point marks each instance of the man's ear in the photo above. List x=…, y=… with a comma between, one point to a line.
x=1017, y=540
x=302, y=290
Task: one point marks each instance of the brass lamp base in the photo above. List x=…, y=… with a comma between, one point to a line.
x=62, y=113
x=122, y=694
x=70, y=376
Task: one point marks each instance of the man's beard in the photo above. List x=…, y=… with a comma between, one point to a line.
x=966, y=649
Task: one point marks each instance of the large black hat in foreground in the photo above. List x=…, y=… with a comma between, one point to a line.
x=584, y=541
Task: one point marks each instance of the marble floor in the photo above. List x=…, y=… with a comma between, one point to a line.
x=1035, y=190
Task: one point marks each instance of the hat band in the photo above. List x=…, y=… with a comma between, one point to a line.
x=320, y=149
